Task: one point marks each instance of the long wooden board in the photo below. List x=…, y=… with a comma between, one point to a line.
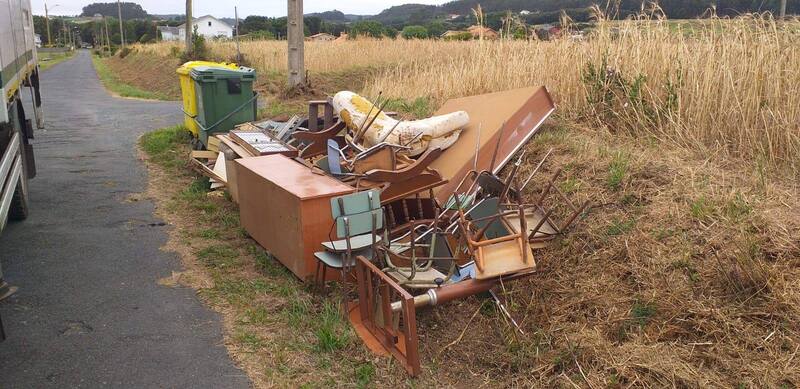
x=519, y=113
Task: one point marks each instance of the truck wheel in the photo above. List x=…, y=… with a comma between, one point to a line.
x=19, y=203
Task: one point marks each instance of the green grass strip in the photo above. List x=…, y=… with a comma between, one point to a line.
x=116, y=86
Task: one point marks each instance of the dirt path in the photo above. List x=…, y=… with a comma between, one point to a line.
x=89, y=311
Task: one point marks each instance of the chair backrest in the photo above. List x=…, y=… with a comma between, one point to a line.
x=285, y=131
x=322, y=163
x=486, y=208
x=383, y=158
x=492, y=185
x=359, y=213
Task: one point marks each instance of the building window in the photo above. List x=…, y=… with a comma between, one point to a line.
x=209, y=24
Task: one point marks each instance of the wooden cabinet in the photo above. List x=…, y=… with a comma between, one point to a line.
x=286, y=208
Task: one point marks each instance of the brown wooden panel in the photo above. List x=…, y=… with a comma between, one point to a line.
x=295, y=178
x=522, y=110
x=286, y=209
x=317, y=221
x=271, y=216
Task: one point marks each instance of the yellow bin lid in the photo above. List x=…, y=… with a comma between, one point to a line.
x=187, y=67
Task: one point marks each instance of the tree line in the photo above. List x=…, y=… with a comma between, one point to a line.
x=129, y=10
x=409, y=21
x=62, y=30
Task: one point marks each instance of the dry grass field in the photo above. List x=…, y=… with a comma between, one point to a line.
x=684, y=273
x=728, y=88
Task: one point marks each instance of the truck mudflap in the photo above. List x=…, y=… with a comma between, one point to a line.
x=29, y=160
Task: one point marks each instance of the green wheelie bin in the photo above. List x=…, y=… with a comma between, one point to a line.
x=225, y=98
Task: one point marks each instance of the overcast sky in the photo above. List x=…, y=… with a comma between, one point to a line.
x=225, y=9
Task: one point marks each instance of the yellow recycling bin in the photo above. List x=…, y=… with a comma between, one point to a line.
x=188, y=92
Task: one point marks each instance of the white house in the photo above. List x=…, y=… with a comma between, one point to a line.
x=207, y=26
x=169, y=33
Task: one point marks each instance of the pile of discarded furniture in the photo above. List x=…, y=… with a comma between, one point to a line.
x=405, y=213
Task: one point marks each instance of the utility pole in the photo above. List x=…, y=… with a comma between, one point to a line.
x=295, y=37
x=121, y=30
x=189, y=27
x=108, y=38
x=783, y=9
x=47, y=22
x=238, y=53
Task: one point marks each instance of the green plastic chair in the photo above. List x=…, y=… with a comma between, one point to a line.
x=357, y=219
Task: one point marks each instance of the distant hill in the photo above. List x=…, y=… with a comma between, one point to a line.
x=337, y=16
x=169, y=16
x=231, y=21
x=544, y=11
x=409, y=14
x=129, y=10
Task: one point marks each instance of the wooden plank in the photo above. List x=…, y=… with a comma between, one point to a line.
x=204, y=154
x=205, y=170
x=213, y=144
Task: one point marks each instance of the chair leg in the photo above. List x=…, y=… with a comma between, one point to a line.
x=324, y=278
x=344, y=290
x=316, y=275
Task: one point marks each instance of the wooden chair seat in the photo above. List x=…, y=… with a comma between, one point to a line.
x=337, y=261
x=356, y=243
x=503, y=258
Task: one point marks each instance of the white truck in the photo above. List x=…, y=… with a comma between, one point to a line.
x=19, y=79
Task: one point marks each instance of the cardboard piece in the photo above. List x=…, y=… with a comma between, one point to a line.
x=522, y=110
x=286, y=208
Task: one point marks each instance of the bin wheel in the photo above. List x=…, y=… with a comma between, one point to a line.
x=196, y=144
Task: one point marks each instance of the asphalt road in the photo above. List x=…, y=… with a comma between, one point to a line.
x=89, y=311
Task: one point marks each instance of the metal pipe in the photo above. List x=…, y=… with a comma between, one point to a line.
x=357, y=132
x=539, y=166
x=448, y=293
x=365, y=129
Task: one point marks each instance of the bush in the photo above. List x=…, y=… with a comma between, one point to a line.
x=367, y=28
x=199, y=49
x=125, y=51
x=462, y=36
x=415, y=32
